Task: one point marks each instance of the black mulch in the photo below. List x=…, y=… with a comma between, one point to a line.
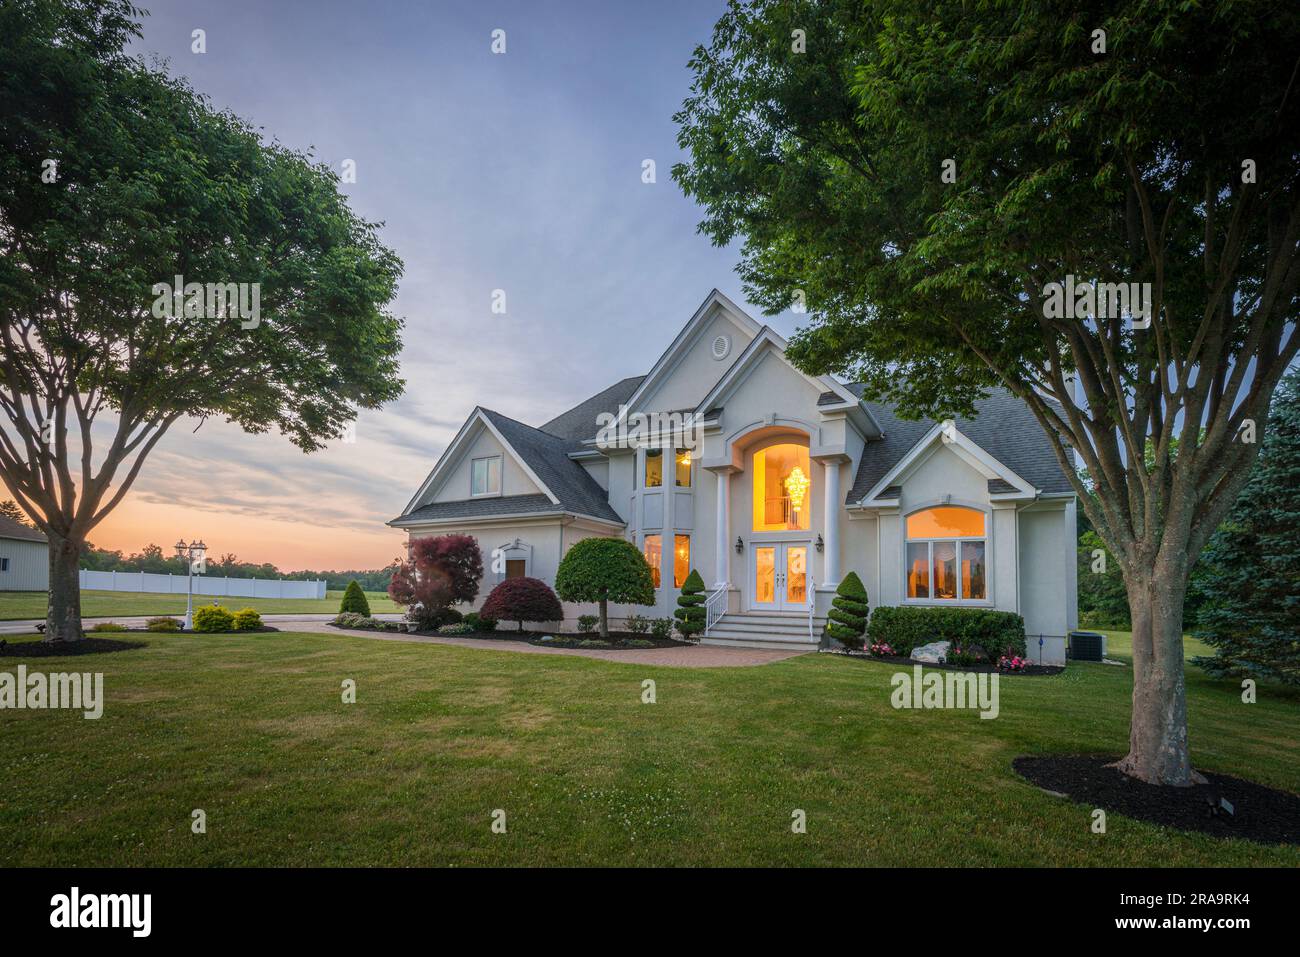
x=1259, y=813
x=64, y=649
x=618, y=641
x=978, y=669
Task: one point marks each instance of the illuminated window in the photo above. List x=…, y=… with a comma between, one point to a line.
x=654, y=468
x=782, y=488
x=945, y=554
x=683, y=468
x=654, y=553
x=681, y=559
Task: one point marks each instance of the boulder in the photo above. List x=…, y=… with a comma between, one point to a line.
x=933, y=653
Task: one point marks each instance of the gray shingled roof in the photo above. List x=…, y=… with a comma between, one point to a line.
x=11, y=529
x=579, y=423
x=481, y=508
x=1004, y=427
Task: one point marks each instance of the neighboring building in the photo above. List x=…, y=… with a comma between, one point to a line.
x=24, y=558
x=790, y=481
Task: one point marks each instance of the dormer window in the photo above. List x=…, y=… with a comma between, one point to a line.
x=485, y=476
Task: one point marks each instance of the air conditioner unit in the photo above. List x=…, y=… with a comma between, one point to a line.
x=1087, y=646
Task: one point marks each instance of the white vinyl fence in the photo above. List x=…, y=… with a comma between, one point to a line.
x=203, y=585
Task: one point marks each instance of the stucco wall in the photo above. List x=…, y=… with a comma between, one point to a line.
x=456, y=485
x=29, y=565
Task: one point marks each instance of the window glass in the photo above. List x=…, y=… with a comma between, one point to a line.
x=918, y=570
x=654, y=468
x=945, y=569
x=782, y=488
x=946, y=521
x=485, y=476
x=972, y=570
x=681, y=559
x=654, y=553
x=683, y=468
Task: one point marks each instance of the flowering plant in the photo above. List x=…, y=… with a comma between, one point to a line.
x=880, y=649
x=1012, y=663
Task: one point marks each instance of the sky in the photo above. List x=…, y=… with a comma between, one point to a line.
x=519, y=171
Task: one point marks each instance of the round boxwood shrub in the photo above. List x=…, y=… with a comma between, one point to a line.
x=248, y=619
x=847, y=619
x=213, y=618
x=354, y=600
x=690, y=606
x=521, y=600
x=602, y=570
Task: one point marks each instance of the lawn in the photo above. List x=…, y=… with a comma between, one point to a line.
x=16, y=605
x=252, y=730
x=1119, y=645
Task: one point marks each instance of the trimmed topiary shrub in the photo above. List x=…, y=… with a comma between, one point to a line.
x=521, y=600
x=690, y=606
x=213, y=618
x=602, y=570
x=847, y=619
x=354, y=600
x=903, y=629
x=162, y=624
x=248, y=619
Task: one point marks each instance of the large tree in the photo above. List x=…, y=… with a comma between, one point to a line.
x=921, y=174
x=115, y=177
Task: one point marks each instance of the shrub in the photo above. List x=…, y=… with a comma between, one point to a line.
x=880, y=649
x=442, y=571
x=662, y=627
x=162, y=624
x=213, y=618
x=638, y=624
x=997, y=632
x=521, y=600
x=350, y=619
x=478, y=623
x=1013, y=663
x=638, y=643
x=248, y=619
x=587, y=623
x=431, y=619
x=108, y=626
x=690, y=611
x=847, y=619
x=457, y=628
x=604, y=570
x=966, y=655
x=354, y=600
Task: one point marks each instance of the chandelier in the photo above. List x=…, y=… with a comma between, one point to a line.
x=796, y=486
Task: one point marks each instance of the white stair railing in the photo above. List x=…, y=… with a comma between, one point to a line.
x=714, y=608
x=812, y=607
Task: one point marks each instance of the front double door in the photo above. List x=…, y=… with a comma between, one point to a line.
x=779, y=576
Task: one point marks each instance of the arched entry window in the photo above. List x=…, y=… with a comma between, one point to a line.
x=946, y=554
x=782, y=488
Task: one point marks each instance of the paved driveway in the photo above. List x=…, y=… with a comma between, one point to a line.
x=695, y=656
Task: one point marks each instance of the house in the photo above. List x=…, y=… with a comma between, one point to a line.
x=24, y=557
x=771, y=483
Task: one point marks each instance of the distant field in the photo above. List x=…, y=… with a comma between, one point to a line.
x=101, y=604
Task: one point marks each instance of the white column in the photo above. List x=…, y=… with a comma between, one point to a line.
x=723, y=529
x=833, y=513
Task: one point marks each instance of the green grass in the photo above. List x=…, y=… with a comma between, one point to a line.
x=17, y=605
x=252, y=730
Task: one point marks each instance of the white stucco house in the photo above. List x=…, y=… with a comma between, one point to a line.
x=783, y=483
x=24, y=557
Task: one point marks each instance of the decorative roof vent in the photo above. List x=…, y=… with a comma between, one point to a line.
x=721, y=347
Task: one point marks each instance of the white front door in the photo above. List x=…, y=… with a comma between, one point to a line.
x=778, y=576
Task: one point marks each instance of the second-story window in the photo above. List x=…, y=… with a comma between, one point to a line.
x=485, y=476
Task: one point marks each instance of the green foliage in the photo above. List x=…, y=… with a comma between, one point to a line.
x=247, y=619
x=904, y=628
x=1103, y=599
x=662, y=628
x=350, y=619
x=847, y=619
x=1251, y=568
x=108, y=626
x=587, y=623
x=478, y=623
x=603, y=570
x=456, y=628
x=638, y=624
x=163, y=624
x=213, y=618
x=690, y=612
x=354, y=600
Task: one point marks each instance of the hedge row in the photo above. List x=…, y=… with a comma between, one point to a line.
x=997, y=632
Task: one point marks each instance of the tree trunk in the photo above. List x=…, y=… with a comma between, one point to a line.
x=63, y=615
x=1158, y=752
x=604, y=619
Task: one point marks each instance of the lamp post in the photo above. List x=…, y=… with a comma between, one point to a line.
x=194, y=554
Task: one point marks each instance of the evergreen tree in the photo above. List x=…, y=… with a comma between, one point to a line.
x=848, y=615
x=354, y=600
x=1251, y=579
x=690, y=613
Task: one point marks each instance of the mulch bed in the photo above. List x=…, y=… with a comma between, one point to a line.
x=616, y=642
x=66, y=649
x=978, y=669
x=1260, y=813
